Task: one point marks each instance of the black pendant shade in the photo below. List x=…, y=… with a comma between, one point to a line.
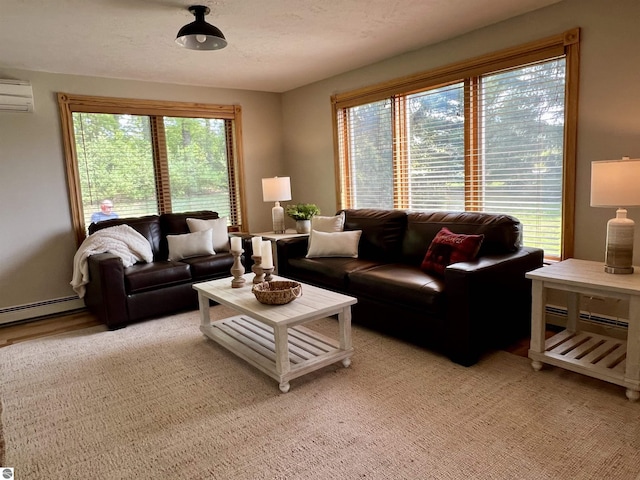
x=200, y=35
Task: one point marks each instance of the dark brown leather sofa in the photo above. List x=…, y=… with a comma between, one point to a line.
x=477, y=305
x=119, y=295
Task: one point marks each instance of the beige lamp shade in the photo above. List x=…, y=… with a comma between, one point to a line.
x=276, y=189
x=615, y=183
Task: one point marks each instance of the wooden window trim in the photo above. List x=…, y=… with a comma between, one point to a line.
x=472, y=173
x=71, y=103
x=400, y=152
x=511, y=57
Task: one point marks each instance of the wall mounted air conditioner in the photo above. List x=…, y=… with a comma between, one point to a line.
x=15, y=96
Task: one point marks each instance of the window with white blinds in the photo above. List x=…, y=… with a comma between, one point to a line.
x=520, y=149
x=144, y=160
x=495, y=142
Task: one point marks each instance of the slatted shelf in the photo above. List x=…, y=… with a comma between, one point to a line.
x=304, y=344
x=254, y=342
x=588, y=351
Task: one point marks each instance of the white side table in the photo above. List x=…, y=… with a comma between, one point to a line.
x=598, y=356
x=274, y=237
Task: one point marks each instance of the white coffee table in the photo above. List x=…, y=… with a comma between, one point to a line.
x=270, y=337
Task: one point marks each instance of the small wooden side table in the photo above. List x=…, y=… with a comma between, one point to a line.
x=598, y=356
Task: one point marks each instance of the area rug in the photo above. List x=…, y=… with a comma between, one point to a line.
x=158, y=400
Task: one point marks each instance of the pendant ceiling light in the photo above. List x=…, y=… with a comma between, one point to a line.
x=200, y=35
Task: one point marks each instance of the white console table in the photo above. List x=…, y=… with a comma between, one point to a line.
x=599, y=356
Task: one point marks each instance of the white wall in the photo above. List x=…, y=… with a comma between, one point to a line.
x=609, y=107
x=37, y=239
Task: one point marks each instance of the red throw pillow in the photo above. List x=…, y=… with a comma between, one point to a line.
x=447, y=248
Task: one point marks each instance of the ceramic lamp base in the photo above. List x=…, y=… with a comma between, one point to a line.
x=277, y=216
x=619, y=254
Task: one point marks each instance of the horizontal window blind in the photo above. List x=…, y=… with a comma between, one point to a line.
x=521, y=147
x=115, y=163
x=492, y=143
x=197, y=160
x=435, y=159
x=367, y=166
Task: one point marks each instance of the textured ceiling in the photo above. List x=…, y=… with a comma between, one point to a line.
x=274, y=45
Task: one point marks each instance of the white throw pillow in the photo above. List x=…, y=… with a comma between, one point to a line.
x=220, y=231
x=334, y=244
x=328, y=224
x=190, y=245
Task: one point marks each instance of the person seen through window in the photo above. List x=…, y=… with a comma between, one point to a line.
x=106, y=212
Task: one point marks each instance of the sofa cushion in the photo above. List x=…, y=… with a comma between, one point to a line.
x=447, y=248
x=190, y=245
x=176, y=224
x=382, y=232
x=502, y=233
x=400, y=284
x=328, y=224
x=219, y=231
x=209, y=266
x=330, y=272
x=146, y=276
x=334, y=244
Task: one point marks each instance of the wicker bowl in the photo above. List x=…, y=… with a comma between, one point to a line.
x=277, y=292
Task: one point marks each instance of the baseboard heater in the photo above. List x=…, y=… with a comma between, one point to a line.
x=35, y=310
x=560, y=313
x=32, y=311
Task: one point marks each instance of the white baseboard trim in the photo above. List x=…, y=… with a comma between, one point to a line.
x=39, y=309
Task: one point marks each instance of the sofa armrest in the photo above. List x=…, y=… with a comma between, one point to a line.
x=294, y=247
x=488, y=302
x=105, y=294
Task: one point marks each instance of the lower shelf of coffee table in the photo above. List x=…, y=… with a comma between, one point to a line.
x=254, y=342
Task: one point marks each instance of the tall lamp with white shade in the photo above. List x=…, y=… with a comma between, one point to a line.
x=276, y=189
x=616, y=183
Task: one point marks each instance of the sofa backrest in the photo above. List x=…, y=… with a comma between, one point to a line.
x=382, y=232
x=502, y=233
x=148, y=226
x=155, y=228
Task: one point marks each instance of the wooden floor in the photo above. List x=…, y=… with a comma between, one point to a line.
x=83, y=319
x=21, y=332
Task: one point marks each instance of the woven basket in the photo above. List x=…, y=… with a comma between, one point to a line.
x=277, y=292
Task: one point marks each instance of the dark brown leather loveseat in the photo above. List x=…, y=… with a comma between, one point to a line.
x=119, y=295
x=476, y=306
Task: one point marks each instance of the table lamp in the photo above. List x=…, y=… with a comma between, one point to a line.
x=276, y=189
x=616, y=183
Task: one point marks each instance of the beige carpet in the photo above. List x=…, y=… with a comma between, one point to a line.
x=156, y=400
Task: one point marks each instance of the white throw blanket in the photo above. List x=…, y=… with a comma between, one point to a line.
x=121, y=240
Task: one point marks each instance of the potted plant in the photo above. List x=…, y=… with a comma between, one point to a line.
x=302, y=213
